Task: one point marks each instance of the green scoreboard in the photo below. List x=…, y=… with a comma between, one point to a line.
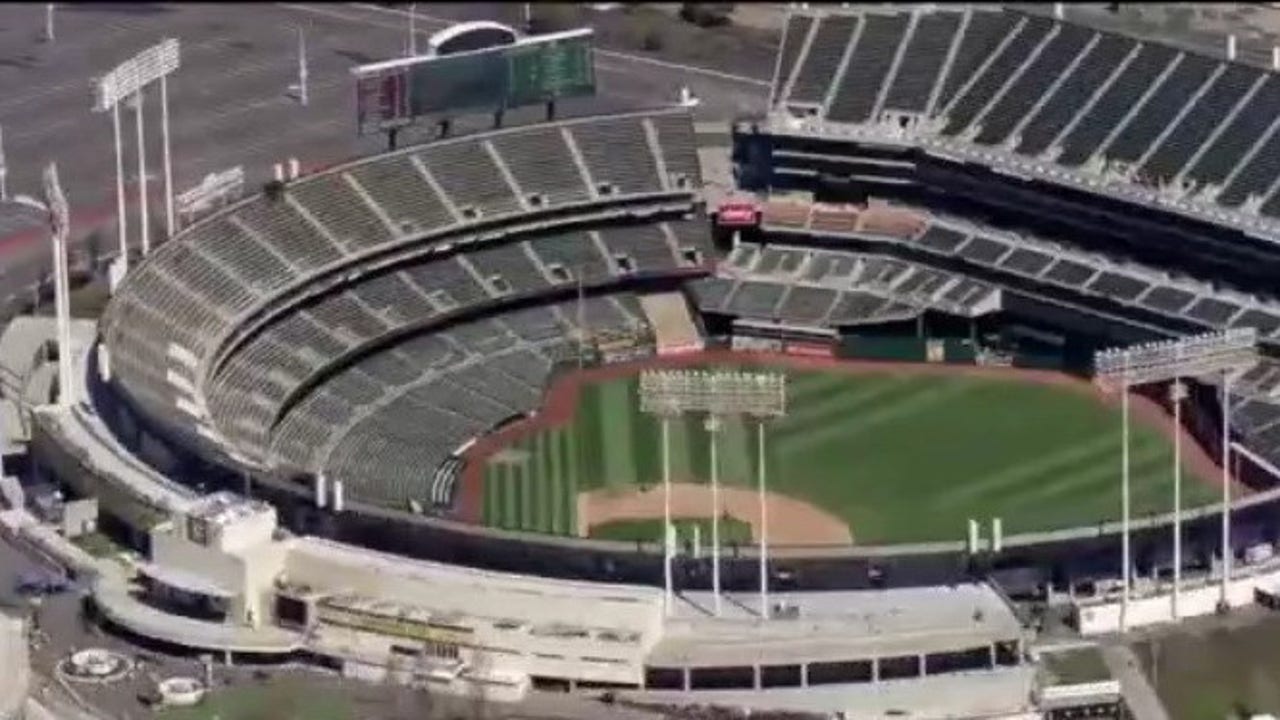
x=529, y=71
x=538, y=73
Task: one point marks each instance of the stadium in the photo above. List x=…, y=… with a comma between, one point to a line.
x=400, y=400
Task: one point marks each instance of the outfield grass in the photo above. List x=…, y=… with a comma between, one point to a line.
x=905, y=458
x=732, y=530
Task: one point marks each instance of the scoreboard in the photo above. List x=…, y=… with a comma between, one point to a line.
x=530, y=71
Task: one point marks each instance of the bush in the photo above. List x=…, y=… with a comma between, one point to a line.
x=646, y=35
x=706, y=15
x=651, y=40
x=552, y=17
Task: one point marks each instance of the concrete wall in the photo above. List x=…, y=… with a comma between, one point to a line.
x=1096, y=618
x=16, y=678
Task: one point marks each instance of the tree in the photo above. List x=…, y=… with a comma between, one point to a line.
x=706, y=15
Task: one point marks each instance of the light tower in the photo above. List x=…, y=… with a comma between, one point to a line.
x=1219, y=355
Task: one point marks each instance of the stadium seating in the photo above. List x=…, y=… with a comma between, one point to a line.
x=389, y=424
x=831, y=288
x=1128, y=283
x=175, y=311
x=1012, y=85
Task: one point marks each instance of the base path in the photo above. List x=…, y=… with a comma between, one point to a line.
x=791, y=521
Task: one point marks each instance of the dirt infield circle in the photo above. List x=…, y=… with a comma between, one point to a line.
x=790, y=521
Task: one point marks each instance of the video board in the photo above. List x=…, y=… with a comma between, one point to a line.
x=530, y=71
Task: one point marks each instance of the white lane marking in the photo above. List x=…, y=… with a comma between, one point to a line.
x=613, y=54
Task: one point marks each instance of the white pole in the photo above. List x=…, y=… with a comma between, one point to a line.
x=764, y=525
x=1226, y=484
x=4, y=171
x=713, y=426
x=413, y=33
x=1124, y=502
x=666, y=511
x=62, y=306
x=48, y=22
x=302, y=67
x=142, y=178
x=121, y=220
x=1178, y=390
x=168, y=165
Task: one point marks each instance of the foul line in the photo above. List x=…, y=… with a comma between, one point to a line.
x=443, y=22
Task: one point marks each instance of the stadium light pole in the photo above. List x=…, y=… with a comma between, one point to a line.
x=168, y=163
x=302, y=67
x=126, y=82
x=667, y=539
x=764, y=523
x=1126, y=557
x=1226, y=352
x=121, y=220
x=55, y=208
x=1177, y=393
x=1226, y=485
x=142, y=175
x=713, y=428
x=4, y=171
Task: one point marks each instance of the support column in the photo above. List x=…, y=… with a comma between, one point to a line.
x=67, y=390
x=142, y=177
x=168, y=165
x=302, y=68
x=804, y=674
x=1177, y=395
x=121, y=220
x=4, y=172
x=1124, y=507
x=713, y=428
x=667, y=539
x=1226, y=485
x=764, y=524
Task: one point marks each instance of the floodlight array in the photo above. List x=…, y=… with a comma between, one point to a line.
x=675, y=392
x=133, y=74
x=1210, y=353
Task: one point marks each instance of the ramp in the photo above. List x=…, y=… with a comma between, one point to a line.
x=674, y=328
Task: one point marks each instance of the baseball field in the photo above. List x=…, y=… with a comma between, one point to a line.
x=872, y=456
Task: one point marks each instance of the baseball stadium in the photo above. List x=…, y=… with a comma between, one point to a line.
x=407, y=400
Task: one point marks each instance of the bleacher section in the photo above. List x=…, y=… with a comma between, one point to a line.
x=803, y=287
x=168, y=325
x=389, y=425
x=1058, y=100
x=1184, y=299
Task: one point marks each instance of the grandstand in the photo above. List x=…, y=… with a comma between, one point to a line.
x=291, y=332
x=1044, y=103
